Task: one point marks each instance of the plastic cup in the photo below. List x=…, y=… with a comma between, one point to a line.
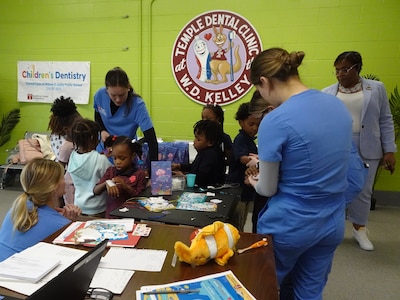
x=178, y=183
x=190, y=180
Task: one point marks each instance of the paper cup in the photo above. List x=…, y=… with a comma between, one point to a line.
x=190, y=180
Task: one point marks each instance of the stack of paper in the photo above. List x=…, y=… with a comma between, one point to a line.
x=24, y=267
x=150, y=260
x=112, y=279
x=42, y=251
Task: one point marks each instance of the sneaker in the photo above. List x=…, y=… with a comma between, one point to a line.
x=361, y=237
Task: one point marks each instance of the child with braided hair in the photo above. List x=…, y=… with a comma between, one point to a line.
x=123, y=180
x=87, y=166
x=64, y=113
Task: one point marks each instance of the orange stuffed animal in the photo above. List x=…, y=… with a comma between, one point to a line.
x=215, y=241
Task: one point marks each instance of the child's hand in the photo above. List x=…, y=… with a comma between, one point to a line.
x=178, y=173
x=250, y=172
x=70, y=211
x=175, y=167
x=112, y=188
x=253, y=160
x=118, y=180
x=121, y=183
x=104, y=135
x=253, y=180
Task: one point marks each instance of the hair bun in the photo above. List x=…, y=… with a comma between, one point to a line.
x=295, y=58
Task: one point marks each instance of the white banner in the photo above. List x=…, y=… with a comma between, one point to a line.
x=44, y=81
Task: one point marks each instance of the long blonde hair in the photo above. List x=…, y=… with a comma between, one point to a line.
x=39, y=179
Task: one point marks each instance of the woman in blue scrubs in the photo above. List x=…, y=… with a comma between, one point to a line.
x=120, y=111
x=304, y=150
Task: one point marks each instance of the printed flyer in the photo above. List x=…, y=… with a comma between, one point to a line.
x=224, y=285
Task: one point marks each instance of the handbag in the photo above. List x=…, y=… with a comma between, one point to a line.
x=28, y=150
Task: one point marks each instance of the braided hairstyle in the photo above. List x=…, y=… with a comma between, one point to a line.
x=64, y=113
x=85, y=135
x=133, y=145
x=217, y=111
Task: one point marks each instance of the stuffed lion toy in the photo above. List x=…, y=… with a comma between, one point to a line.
x=215, y=241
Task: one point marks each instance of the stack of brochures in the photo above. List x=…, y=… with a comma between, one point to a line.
x=195, y=201
x=91, y=233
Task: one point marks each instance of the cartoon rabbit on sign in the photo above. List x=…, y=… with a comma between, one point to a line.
x=219, y=63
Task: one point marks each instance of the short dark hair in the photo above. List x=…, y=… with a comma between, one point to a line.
x=352, y=57
x=243, y=112
x=211, y=129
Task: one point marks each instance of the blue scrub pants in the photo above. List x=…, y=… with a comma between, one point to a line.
x=305, y=235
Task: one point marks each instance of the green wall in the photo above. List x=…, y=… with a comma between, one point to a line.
x=100, y=31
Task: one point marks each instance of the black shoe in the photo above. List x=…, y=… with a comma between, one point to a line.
x=373, y=203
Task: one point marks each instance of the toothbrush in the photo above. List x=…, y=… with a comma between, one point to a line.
x=258, y=244
x=231, y=36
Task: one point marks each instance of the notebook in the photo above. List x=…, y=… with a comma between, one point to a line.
x=73, y=282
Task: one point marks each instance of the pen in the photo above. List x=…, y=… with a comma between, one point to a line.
x=171, y=292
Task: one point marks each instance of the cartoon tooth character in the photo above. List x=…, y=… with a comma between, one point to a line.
x=203, y=58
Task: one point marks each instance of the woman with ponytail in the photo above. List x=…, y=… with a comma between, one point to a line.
x=35, y=215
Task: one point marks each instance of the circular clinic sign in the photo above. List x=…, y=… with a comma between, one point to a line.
x=212, y=55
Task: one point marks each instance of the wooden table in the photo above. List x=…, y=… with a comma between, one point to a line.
x=255, y=268
x=224, y=213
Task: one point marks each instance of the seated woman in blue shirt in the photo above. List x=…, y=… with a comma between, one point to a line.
x=35, y=215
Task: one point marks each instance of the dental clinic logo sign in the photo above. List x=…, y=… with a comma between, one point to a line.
x=44, y=81
x=212, y=56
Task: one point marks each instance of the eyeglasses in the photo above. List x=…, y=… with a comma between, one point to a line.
x=344, y=71
x=99, y=293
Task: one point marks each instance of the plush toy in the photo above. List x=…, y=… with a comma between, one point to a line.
x=215, y=241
